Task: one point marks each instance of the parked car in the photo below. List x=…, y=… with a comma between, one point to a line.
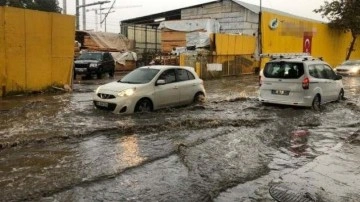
x=349, y=68
x=98, y=63
x=150, y=88
x=299, y=81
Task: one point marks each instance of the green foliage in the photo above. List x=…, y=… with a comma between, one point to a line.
x=343, y=15
x=41, y=5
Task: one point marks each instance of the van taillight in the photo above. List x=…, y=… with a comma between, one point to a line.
x=306, y=83
x=259, y=80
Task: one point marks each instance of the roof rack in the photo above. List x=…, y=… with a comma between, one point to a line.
x=274, y=56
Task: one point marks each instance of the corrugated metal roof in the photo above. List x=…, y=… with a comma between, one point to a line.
x=256, y=9
x=251, y=7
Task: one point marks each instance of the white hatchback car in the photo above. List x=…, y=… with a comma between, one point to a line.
x=149, y=88
x=299, y=81
x=349, y=68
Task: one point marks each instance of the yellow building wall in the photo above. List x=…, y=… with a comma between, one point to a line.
x=288, y=37
x=231, y=44
x=37, y=50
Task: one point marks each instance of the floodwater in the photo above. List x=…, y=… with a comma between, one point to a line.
x=232, y=148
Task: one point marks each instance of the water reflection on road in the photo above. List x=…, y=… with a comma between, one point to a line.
x=230, y=149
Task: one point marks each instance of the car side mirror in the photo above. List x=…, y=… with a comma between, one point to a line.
x=160, y=82
x=338, y=77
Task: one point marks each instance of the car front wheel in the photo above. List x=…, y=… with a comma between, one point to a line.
x=111, y=73
x=199, y=98
x=144, y=105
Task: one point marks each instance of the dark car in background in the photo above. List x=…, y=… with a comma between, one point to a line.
x=94, y=63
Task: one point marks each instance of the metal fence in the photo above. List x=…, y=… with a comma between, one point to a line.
x=225, y=65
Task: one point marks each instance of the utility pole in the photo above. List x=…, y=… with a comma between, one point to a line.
x=84, y=15
x=99, y=11
x=64, y=7
x=259, y=30
x=77, y=14
x=83, y=6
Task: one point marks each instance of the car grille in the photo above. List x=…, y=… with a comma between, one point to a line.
x=105, y=96
x=81, y=65
x=111, y=106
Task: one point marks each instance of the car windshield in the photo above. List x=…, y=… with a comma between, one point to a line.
x=284, y=70
x=90, y=56
x=351, y=62
x=141, y=75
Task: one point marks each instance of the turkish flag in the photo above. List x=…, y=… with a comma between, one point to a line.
x=307, y=42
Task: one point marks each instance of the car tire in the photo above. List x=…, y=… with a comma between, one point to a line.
x=199, y=98
x=99, y=74
x=316, y=103
x=341, y=95
x=111, y=73
x=143, y=105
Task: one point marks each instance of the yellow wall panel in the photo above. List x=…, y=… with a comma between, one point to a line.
x=63, y=33
x=62, y=54
x=62, y=70
x=239, y=43
x=2, y=52
x=15, y=49
x=231, y=44
x=248, y=45
x=221, y=44
x=38, y=49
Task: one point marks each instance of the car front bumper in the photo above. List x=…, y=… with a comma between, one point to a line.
x=118, y=105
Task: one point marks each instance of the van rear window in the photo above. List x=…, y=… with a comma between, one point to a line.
x=284, y=70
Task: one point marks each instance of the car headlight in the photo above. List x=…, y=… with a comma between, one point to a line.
x=354, y=70
x=97, y=90
x=127, y=92
x=93, y=64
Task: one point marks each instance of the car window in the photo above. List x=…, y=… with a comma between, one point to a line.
x=141, y=75
x=182, y=74
x=90, y=56
x=330, y=74
x=320, y=71
x=313, y=72
x=191, y=75
x=168, y=76
x=284, y=70
x=107, y=56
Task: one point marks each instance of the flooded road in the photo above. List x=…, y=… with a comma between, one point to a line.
x=232, y=148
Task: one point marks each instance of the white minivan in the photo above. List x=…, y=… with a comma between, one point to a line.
x=299, y=81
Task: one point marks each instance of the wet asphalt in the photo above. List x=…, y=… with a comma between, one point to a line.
x=58, y=147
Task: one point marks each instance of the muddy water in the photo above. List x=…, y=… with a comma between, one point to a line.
x=59, y=148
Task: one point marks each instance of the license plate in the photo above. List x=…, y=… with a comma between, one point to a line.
x=280, y=92
x=102, y=104
x=81, y=69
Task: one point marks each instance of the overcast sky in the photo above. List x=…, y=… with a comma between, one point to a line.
x=126, y=9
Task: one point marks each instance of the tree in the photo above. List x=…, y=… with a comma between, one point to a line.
x=41, y=5
x=343, y=15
